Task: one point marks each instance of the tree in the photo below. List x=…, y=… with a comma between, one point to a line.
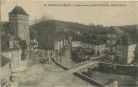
x=43, y=18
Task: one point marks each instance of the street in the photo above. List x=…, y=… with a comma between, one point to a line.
x=50, y=75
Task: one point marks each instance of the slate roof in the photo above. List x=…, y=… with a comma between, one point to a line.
x=18, y=10
x=4, y=60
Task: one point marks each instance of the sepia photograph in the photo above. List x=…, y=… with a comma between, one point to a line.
x=68, y=43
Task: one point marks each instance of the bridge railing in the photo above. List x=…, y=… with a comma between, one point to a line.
x=87, y=62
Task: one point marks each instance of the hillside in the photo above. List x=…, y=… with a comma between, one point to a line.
x=48, y=31
x=131, y=30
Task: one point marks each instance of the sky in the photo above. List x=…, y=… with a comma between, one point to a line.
x=110, y=15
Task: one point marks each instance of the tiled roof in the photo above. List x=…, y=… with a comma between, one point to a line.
x=4, y=60
x=18, y=10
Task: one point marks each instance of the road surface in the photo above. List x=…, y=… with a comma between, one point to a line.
x=50, y=75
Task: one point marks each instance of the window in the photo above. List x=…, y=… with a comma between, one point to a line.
x=12, y=78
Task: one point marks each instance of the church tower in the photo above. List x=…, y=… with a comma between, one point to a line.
x=19, y=24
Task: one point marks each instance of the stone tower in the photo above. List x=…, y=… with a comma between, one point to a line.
x=19, y=24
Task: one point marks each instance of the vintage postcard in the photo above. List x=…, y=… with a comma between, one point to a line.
x=68, y=43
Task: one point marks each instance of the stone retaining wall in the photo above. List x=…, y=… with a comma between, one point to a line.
x=59, y=64
x=118, y=69
x=88, y=79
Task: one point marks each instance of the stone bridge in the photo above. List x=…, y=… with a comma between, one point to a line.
x=81, y=65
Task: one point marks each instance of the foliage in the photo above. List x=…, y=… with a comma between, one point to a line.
x=47, y=31
x=80, y=54
x=131, y=30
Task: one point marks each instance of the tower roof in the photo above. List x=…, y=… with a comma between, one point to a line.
x=18, y=10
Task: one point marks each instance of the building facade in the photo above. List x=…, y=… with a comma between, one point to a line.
x=19, y=24
x=18, y=62
x=16, y=41
x=15, y=46
x=59, y=44
x=120, y=47
x=34, y=45
x=95, y=42
x=5, y=72
x=76, y=41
